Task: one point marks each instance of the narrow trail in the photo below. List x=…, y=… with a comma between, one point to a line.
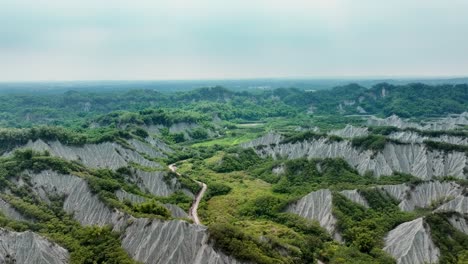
x=193, y=211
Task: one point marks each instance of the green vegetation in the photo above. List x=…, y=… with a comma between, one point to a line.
x=449, y=240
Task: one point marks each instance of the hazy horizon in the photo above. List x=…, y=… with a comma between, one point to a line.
x=124, y=40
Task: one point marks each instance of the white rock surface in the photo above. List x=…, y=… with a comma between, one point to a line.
x=411, y=243
x=147, y=149
x=270, y=138
x=123, y=195
x=11, y=212
x=397, y=191
x=172, y=242
x=414, y=137
x=424, y=195
x=414, y=159
x=30, y=248
x=350, y=131
x=104, y=155
x=147, y=240
x=459, y=205
x=316, y=206
x=355, y=196
x=459, y=223
x=447, y=123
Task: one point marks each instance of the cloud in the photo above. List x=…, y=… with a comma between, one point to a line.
x=118, y=39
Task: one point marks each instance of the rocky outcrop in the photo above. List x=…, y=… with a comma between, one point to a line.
x=30, y=248
x=103, y=155
x=146, y=148
x=423, y=195
x=270, y=138
x=176, y=211
x=175, y=242
x=460, y=223
x=446, y=123
x=411, y=243
x=123, y=195
x=459, y=205
x=426, y=194
x=355, y=196
x=10, y=212
x=317, y=206
x=155, y=183
x=350, y=131
x=414, y=137
x=150, y=241
x=85, y=206
x=415, y=159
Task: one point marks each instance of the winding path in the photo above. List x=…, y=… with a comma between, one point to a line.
x=194, y=208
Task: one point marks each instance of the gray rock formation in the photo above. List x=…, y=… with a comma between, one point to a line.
x=146, y=148
x=411, y=243
x=176, y=211
x=426, y=194
x=414, y=137
x=447, y=123
x=459, y=205
x=10, y=212
x=270, y=138
x=150, y=241
x=350, y=131
x=30, y=248
x=414, y=159
x=174, y=242
x=354, y=196
x=104, y=155
x=317, y=206
x=85, y=206
x=460, y=223
x=397, y=191
x=153, y=181
x=123, y=195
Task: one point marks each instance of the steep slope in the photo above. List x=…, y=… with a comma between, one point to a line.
x=446, y=123
x=148, y=240
x=29, y=248
x=415, y=159
x=411, y=243
x=350, y=131
x=103, y=155
x=414, y=137
x=355, y=196
x=7, y=210
x=317, y=206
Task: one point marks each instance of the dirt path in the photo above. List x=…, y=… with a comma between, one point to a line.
x=194, y=208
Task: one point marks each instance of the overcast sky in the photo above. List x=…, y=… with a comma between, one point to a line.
x=131, y=39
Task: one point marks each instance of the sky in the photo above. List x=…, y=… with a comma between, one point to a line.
x=218, y=39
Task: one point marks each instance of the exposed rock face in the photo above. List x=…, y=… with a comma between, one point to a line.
x=316, y=206
x=414, y=159
x=459, y=223
x=447, y=123
x=350, y=131
x=29, y=248
x=354, y=196
x=154, y=182
x=123, y=195
x=104, y=155
x=148, y=240
x=425, y=194
x=146, y=148
x=175, y=242
x=84, y=205
x=459, y=205
x=11, y=212
x=414, y=137
x=411, y=243
x=398, y=191
x=175, y=210
x=157, y=143
x=270, y=138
